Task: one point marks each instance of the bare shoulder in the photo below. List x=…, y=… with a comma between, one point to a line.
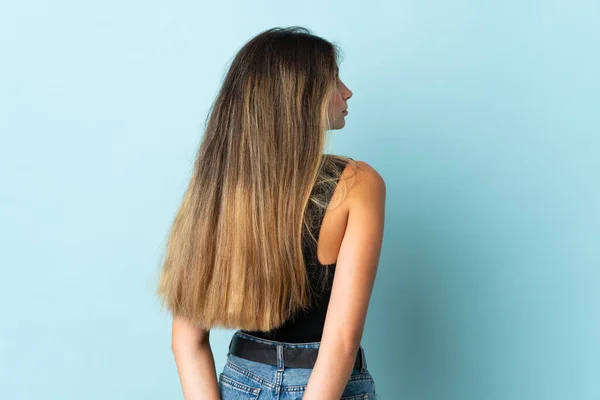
x=366, y=206
x=365, y=172
x=366, y=184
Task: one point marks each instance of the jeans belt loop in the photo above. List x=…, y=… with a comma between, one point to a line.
x=280, y=360
x=363, y=367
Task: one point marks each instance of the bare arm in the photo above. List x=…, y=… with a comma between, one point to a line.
x=195, y=362
x=352, y=286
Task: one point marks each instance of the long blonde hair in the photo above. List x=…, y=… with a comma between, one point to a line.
x=234, y=256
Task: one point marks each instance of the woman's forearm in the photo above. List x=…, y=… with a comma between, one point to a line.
x=197, y=374
x=330, y=374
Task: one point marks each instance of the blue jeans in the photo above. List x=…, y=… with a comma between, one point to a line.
x=243, y=379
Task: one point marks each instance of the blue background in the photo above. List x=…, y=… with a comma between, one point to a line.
x=483, y=118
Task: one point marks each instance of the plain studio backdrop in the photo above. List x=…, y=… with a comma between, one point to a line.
x=482, y=116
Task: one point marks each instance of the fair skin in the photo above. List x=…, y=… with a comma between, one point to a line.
x=194, y=359
x=357, y=260
x=338, y=104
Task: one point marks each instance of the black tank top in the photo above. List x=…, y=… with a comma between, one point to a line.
x=307, y=325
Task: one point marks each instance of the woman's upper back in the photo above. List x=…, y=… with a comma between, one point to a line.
x=349, y=241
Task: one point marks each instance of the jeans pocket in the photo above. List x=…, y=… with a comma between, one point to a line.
x=360, y=386
x=231, y=389
x=363, y=396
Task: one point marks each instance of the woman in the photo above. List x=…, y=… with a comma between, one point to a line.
x=273, y=237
